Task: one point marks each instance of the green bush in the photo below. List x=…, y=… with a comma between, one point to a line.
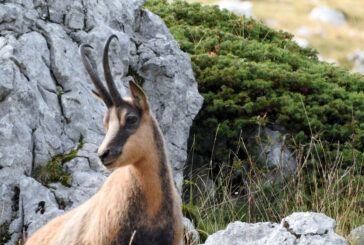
x=246, y=71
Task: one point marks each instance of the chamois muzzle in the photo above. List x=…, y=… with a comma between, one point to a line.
x=109, y=156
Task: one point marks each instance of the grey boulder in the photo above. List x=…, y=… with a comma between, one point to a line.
x=302, y=228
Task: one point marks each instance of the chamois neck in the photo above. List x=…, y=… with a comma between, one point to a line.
x=154, y=174
x=156, y=160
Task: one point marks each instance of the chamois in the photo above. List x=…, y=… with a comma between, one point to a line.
x=138, y=201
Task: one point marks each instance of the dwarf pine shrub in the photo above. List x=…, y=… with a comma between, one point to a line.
x=246, y=70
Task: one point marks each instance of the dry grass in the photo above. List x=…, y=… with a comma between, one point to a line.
x=324, y=189
x=332, y=42
x=319, y=184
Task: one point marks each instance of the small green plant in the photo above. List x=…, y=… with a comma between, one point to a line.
x=52, y=171
x=4, y=233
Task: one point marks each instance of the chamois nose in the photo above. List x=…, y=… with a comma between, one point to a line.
x=104, y=155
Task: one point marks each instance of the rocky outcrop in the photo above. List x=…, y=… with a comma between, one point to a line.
x=46, y=104
x=296, y=229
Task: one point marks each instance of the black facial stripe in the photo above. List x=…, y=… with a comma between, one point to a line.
x=122, y=135
x=125, y=131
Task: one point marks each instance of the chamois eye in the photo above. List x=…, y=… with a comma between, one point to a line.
x=131, y=119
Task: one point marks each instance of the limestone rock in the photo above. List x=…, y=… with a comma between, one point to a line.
x=192, y=235
x=303, y=43
x=358, y=58
x=46, y=104
x=241, y=8
x=357, y=235
x=303, y=228
x=274, y=152
x=239, y=233
x=39, y=203
x=328, y=15
x=312, y=228
x=328, y=60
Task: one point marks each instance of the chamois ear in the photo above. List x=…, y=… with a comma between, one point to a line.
x=138, y=96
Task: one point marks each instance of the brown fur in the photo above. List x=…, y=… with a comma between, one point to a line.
x=141, y=187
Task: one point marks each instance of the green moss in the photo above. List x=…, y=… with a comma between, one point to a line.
x=4, y=233
x=137, y=78
x=53, y=170
x=246, y=70
x=190, y=211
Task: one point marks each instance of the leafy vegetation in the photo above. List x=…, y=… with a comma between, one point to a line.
x=53, y=170
x=252, y=76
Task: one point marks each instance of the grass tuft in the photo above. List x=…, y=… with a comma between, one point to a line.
x=53, y=170
x=315, y=186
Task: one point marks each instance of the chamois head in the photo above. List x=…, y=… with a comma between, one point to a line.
x=127, y=120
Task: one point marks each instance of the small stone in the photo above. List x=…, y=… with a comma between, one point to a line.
x=328, y=15
x=358, y=58
x=303, y=43
x=241, y=8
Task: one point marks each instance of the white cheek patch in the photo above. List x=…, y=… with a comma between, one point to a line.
x=114, y=126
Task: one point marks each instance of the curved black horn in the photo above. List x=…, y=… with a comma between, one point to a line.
x=94, y=77
x=115, y=96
